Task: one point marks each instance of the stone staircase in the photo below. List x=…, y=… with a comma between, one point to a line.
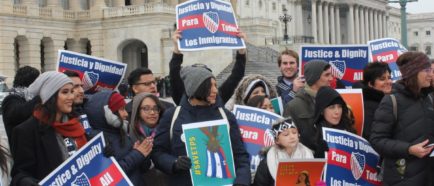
x=260, y=60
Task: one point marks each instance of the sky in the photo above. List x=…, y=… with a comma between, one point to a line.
x=421, y=6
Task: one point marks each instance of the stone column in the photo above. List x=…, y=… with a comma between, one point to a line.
x=332, y=24
x=32, y=53
x=7, y=57
x=118, y=3
x=357, y=24
x=362, y=25
x=326, y=23
x=371, y=25
x=320, y=25
x=351, y=24
x=99, y=3
x=338, y=25
x=299, y=11
x=29, y=2
x=376, y=24
x=137, y=2
x=75, y=5
x=380, y=24
x=384, y=25
x=51, y=56
x=314, y=26
x=366, y=24
x=52, y=3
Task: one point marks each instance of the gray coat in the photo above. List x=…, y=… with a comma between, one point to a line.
x=302, y=111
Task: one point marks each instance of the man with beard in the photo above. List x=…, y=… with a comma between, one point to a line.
x=289, y=83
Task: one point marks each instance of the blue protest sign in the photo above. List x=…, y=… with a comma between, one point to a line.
x=255, y=126
x=387, y=50
x=207, y=24
x=88, y=166
x=95, y=73
x=346, y=61
x=350, y=160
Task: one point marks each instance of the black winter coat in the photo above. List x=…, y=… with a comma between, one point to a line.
x=371, y=100
x=166, y=151
x=35, y=150
x=263, y=176
x=227, y=88
x=392, y=139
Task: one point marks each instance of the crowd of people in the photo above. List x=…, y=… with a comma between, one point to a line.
x=43, y=118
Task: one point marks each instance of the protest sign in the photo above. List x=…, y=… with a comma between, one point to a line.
x=294, y=172
x=346, y=61
x=95, y=73
x=255, y=126
x=209, y=147
x=88, y=166
x=207, y=24
x=277, y=105
x=387, y=50
x=350, y=160
x=354, y=100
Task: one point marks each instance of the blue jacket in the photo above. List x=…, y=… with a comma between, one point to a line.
x=132, y=161
x=166, y=151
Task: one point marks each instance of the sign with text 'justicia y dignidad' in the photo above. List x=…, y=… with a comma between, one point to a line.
x=346, y=61
x=96, y=73
x=207, y=24
x=387, y=50
x=350, y=160
x=88, y=166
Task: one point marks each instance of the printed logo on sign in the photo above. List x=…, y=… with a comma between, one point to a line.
x=268, y=138
x=357, y=165
x=211, y=21
x=338, y=68
x=89, y=80
x=81, y=180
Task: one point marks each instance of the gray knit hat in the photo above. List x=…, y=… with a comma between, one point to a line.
x=47, y=84
x=313, y=70
x=193, y=77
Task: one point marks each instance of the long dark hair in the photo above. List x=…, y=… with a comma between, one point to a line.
x=4, y=156
x=346, y=123
x=307, y=181
x=138, y=118
x=49, y=109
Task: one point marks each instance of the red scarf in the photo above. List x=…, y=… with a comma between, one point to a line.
x=71, y=128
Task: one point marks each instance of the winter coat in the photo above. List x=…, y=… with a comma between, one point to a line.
x=167, y=150
x=131, y=161
x=16, y=110
x=392, y=138
x=284, y=90
x=269, y=164
x=36, y=151
x=226, y=89
x=238, y=97
x=371, y=100
x=301, y=109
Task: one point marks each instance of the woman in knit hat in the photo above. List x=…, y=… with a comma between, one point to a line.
x=51, y=135
x=403, y=125
x=287, y=146
x=250, y=86
x=146, y=113
x=200, y=103
x=262, y=102
x=106, y=113
x=330, y=111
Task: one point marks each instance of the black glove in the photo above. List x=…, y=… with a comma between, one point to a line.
x=108, y=150
x=29, y=181
x=183, y=163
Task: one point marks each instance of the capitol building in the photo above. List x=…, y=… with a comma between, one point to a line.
x=138, y=32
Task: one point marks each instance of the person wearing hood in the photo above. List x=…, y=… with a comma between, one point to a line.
x=147, y=111
x=262, y=102
x=250, y=86
x=302, y=108
x=106, y=113
x=287, y=146
x=401, y=134
x=330, y=111
x=50, y=135
x=201, y=103
x=376, y=83
x=18, y=106
x=226, y=89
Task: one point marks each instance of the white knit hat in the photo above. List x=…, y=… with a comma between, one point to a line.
x=47, y=84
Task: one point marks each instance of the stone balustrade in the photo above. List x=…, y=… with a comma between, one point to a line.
x=109, y=12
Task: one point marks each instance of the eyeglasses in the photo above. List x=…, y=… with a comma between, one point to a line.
x=149, y=83
x=427, y=70
x=149, y=109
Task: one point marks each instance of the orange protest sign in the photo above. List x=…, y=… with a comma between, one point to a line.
x=354, y=100
x=299, y=172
